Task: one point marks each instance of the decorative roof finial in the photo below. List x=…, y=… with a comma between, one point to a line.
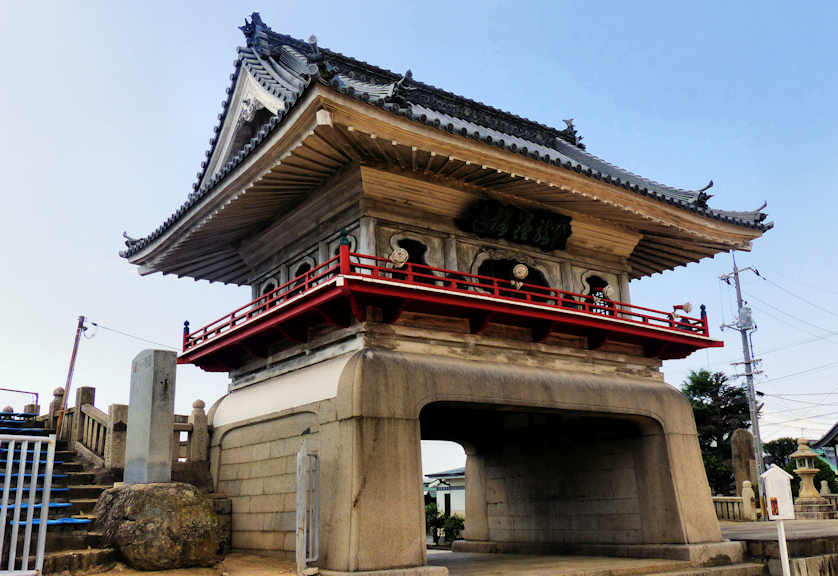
x=569, y=134
x=703, y=196
x=256, y=33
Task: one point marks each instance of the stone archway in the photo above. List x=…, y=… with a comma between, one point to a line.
x=371, y=462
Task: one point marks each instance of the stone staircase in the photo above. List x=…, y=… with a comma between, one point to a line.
x=72, y=542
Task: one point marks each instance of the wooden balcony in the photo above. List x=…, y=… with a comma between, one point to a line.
x=341, y=288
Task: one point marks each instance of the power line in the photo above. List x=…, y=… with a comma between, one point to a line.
x=807, y=371
x=133, y=336
x=793, y=317
x=801, y=298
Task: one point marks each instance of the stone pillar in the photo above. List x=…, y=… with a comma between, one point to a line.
x=199, y=440
x=55, y=406
x=477, y=513
x=32, y=409
x=742, y=458
x=85, y=396
x=148, y=455
x=450, y=253
x=825, y=488
x=366, y=236
x=117, y=432
x=372, y=512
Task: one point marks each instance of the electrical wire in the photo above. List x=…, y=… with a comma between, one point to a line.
x=133, y=336
x=801, y=298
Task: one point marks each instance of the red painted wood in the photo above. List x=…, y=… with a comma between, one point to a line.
x=347, y=283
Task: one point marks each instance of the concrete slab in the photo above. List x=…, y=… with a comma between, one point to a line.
x=488, y=564
x=795, y=530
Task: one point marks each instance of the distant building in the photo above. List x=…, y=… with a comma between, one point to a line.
x=448, y=490
x=826, y=447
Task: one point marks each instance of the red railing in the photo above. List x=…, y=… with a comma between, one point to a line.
x=352, y=265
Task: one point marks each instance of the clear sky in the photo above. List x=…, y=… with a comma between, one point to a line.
x=106, y=109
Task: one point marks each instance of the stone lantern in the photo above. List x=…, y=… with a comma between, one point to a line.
x=809, y=504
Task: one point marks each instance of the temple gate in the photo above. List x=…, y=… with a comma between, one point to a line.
x=424, y=266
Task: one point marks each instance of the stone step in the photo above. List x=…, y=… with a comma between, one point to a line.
x=79, y=561
x=77, y=478
x=78, y=491
x=749, y=569
x=83, y=505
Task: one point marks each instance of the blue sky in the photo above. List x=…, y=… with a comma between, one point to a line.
x=106, y=109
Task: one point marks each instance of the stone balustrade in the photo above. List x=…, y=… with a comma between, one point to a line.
x=737, y=508
x=100, y=437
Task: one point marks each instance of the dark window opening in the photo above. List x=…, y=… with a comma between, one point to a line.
x=301, y=270
x=415, y=255
x=502, y=270
x=267, y=289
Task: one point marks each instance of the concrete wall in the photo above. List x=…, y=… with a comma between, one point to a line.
x=256, y=468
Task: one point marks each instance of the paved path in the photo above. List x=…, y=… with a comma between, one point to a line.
x=235, y=564
x=473, y=564
x=795, y=529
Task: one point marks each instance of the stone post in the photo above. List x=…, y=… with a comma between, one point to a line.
x=32, y=409
x=825, y=488
x=55, y=406
x=199, y=440
x=117, y=432
x=749, y=511
x=148, y=454
x=85, y=396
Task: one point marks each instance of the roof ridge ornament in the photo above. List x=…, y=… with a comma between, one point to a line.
x=256, y=33
x=703, y=196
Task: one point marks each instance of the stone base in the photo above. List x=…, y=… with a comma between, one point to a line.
x=708, y=553
x=414, y=571
x=813, y=509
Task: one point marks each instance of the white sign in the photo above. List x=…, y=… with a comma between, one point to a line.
x=778, y=493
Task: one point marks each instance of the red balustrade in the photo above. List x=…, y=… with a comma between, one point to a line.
x=373, y=275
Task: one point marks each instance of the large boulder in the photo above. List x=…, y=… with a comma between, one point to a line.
x=160, y=526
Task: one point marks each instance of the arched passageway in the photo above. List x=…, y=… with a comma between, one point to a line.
x=558, y=477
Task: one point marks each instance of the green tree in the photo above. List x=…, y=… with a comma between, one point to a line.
x=719, y=408
x=780, y=450
x=433, y=520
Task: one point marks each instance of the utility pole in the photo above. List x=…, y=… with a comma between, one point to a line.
x=744, y=324
x=79, y=329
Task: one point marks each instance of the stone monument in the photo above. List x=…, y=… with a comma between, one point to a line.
x=742, y=458
x=148, y=451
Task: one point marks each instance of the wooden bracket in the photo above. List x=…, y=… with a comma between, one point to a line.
x=338, y=315
x=596, y=339
x=358, y=310
x=294, y=332
x=654, y=349
x=256, y=347
x=478, y=321
x=541, y=330
x=392, y=311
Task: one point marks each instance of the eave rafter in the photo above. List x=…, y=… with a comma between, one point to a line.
x=328, y=131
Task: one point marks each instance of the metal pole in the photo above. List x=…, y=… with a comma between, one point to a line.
x=749, y=376
x=79, y=330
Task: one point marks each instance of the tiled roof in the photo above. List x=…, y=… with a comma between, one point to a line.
x=461, y=471
x=285, y=67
